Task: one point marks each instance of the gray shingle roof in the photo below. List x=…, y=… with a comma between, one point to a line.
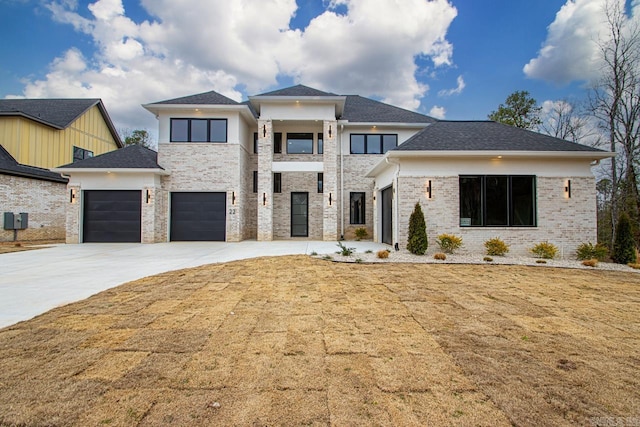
x=212, y=98
x=130, y=157
x=364, y=110
x=57, y=113
x=485, y=136
x=9, y=166
x=298, y=90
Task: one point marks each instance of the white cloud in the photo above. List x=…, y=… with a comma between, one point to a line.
x=437, y=112
x=456, y=90
x=570, y=51
x=245, y=45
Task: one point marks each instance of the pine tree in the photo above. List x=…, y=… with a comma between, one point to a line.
x=624, y=249
x=417, y=232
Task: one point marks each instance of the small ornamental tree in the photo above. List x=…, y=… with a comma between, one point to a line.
x=624, y=248
x=417, y=232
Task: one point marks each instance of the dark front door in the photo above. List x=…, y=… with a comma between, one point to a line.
x=299, y=214
x=198, y=216
x=112, y=216
x=387, y=216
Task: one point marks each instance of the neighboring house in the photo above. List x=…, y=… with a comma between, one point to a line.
x=39, y=134
x=47, y=133
x=299, y=163
x=35, y=191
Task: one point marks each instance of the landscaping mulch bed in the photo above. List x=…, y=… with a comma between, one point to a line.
x=302, y=341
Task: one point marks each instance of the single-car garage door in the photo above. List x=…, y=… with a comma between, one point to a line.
x=111, y=216
x=198, y=216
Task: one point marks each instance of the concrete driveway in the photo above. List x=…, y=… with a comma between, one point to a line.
x=33, y=282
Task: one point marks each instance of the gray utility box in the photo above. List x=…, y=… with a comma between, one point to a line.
x=18, y=221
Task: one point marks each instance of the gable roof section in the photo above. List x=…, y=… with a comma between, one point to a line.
x=364, y=110
x=298, y=90
x=211, y=98
x=56, y=113
x=9, y=166
x=485, y=136
x=130, y=157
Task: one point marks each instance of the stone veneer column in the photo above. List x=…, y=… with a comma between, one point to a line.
x=148, y=215
x=265, y=180
x=73, y=214
x=330, y=171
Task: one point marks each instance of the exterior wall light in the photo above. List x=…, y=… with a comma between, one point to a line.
x=428, y=189
x=264, y=199
x=567, y=189
x=264, y=131
x=329, y=131
x=72, y=195
x=148, y=196
x=330, y=199
x=233, y=198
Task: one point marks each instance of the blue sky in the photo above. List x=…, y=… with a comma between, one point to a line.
x=455, y=59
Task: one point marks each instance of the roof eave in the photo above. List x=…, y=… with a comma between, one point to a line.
x=243, y=109
x=70, y=171
x=30, y=117
x=338, y=100
x=385, y=124
x=594, y=155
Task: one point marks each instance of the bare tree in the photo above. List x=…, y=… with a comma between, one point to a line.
x=615, y=101
x=566, y=120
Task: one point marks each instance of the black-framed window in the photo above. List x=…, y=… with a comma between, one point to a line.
x=81, y=154
x=320, y=182
x=277, y=182
x=498, y=201
x=299, y=143
x=277, y=142
x=372, y=143
x=198, y=130
x=255, y=181
x=320, y=143
x=356, y=208
x=255, y=142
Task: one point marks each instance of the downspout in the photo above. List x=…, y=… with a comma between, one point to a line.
x=395, y=199
x=341, y=184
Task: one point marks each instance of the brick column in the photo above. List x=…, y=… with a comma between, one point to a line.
x=148, y=215
x=330, y=171
x=265, y=180
x=73, y=209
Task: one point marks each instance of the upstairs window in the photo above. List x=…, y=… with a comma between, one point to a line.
x=320, y=143
x=498, y=201
x=277, y=142
x=320, y=182
x=299, y=143
x=255, y=142
x=81, y=154
x=255, y=181
x=198, y=130
x=373, y=143
x=277, y=182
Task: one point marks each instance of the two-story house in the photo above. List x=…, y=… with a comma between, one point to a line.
x=35, y=136
x=299, y=163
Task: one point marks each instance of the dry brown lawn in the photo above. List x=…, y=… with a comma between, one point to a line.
x=19, y=246
x=301, y=341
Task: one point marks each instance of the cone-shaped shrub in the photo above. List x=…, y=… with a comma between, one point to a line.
x=624, y=248
x=417, y=232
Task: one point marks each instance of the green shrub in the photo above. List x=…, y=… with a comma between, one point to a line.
x=586, y=251
x=440, y=256
x=545, y=250
x=496, y=247
x=361, y=233
x=418, y=243
x=383, y=254
x=449, y=243
x=624, y=248
x=345, y=251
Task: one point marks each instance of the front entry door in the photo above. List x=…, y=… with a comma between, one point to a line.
x=299, y=214
x=387, y=216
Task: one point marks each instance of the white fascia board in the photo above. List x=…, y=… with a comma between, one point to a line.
x=593, y=155
x=385, y=125
x=243, y=109
x=338, y=101
x=70, y=171
x=297, y=166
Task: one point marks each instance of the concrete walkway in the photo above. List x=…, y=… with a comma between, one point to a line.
x=32, y=282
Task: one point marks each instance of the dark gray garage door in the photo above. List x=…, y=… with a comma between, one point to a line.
x=111, y=216
x=198, y=216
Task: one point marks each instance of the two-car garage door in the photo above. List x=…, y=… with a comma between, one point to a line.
x=115, y=216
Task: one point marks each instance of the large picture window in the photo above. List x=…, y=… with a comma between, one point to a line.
x=356, y=208
x=373, y=143
x=498, y=201
x=299, y=143
x=198, y=130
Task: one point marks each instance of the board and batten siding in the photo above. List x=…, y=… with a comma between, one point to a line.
x=34, y=144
